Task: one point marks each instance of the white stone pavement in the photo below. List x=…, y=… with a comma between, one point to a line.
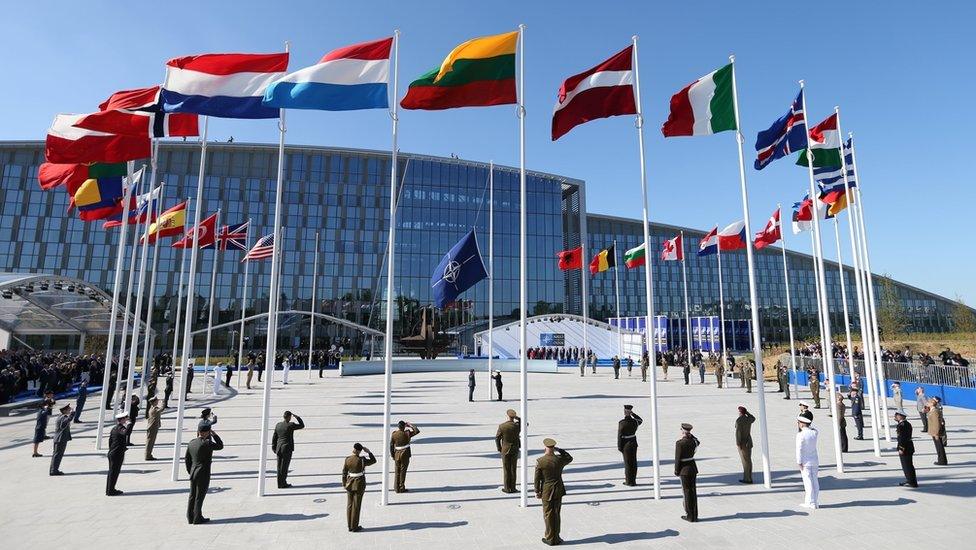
x=455, y=475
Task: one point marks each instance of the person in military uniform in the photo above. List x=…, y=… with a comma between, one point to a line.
x=550, y=489
x=749, y=373
x=686, y=469
x=152, y=425
x=497, y=377
x=582, y=365
x=645, y=363
x=168, y=388
x=906, y=449
x=508, y=444
x=283, y=443
x=616, y=367
x=627, y=443
x=116, y=452
x=815, y=387
x=842, y=421
x=743, y=442
x=857, y=412
x=686, y=370
x=62, y=435
x=199, y=457
x=630, y=366
x=40, y=424
x=471, y=385
x=400, y=451
x=807, y=460
x=354, y=481
x=719, y=373
x=937, y=430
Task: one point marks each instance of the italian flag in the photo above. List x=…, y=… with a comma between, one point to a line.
x=824, y=140
x=703, y=107
x=634, y=257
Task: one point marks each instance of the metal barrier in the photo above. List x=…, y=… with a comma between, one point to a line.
x=940, y=375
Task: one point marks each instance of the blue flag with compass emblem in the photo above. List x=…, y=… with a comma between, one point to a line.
x=458, y=271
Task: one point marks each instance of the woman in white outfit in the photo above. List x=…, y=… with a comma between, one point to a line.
x=806, y=459
x=218, y=380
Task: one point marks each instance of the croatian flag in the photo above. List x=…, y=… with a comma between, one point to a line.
x=733, y=237
x=709, y=243
x=347, y=79
x=228, y=85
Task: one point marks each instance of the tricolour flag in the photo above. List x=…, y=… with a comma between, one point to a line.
x=101, y=196
x=704, y=107
x=570, y=259
x=204, y=234
x=673, y=250
x=709, y=243
x=230, y=85
x=603, y=91
x=67, y=144
x=635, y=257
x=770, y=234
x=824, y=144
x=803, y=214
x=835, y=196
x=458, y=270
x=604, y=260
x=170, y=223
x=733, y=236
x=145, y=208
x=786, y=136
x=479, y=72
x=350, y=78
x=261, y=250
x=139, y=113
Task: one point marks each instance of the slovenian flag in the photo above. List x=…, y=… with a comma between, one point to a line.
x=347, y=79
x=733, y=237
x=228, y=85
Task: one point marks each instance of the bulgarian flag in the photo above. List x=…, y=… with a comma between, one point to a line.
x=635, y=257
x=824, y=140
x=704, y=107
x=479, y=72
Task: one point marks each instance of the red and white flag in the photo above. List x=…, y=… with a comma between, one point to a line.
x=68, y=144
x=603, y=91
x=733, y=236
x=206, y=234
x=770, y=234
x=673, y=250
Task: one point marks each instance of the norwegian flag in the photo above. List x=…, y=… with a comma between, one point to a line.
x=262, y=249
x=770, y=234
x=139, y=113
x=234, y=236
x=673, y=250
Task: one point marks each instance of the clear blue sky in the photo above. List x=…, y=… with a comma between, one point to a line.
x=900, y=72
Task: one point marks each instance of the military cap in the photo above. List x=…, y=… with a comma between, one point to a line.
x=122, y=415
x=803, y=404
x=901, y=413
x=64, y=408
x=804, y=419
x=628, y=407
x=511, y=413
x=807, y=414
x=686, y=426
x=153, y=398
x=549, y=442
x=204, y=426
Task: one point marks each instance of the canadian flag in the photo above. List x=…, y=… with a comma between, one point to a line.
x=673, y=250
x=770, y=234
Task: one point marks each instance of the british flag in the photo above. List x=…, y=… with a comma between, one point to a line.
x=262, y=249
x=234, y=236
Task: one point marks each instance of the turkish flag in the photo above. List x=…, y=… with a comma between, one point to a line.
x=571, y=259
x=205, y=234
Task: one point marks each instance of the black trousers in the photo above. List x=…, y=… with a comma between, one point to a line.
x=616, y=373
x=843, y=438
x=940, y=451
x=198, y=492
x=470, y=393
x=630, y=461
x=78, y=408
x=57, y=455
x=114, y=468
x=908, y=467
x=499, y=390
x=687, y=373
x=690, y=490
x=321, y=367
x=284, y=461
x=925, y=421
x=859, y=422
x=166, y=394
x=227, y=376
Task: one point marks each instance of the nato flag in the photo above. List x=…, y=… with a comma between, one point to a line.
x=458, y=271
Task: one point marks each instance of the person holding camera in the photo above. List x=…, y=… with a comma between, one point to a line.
x=549, y=488
x=354, y=481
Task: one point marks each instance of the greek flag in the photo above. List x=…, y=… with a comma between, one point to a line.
x=833, y=176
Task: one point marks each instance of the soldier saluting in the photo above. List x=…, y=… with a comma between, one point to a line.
x=199, y=457
x=686, y=468
x=116, y=452
x=550, y=489
x=507, y=443
x=627, y=443
x=283, y=444
x=400, y=451
x=354, y=481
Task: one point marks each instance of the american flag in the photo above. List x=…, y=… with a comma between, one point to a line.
x=262, y=249
x=234, y=236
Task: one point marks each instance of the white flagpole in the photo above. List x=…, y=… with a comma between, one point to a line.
x=753, y=300
x=523, y=280
x=188, y=312
x=390, y=274
x=123, y=349
x=616, y=293
x=491, y=272
x=721, y=305
x=789, y=305
x=210, y=305
x=240, y=337
x=311, y=323
x=137, y=309
x=816, y=283
x=146, y=359
x=584, y=272
x=113, y=318
x=179, y=307
x=648, y=283
x=827, y=342
x=684, y=278
x=843, y=293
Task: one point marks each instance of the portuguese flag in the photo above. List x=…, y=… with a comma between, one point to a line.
x=634, y=257
x=703, y=107
x=477, y=73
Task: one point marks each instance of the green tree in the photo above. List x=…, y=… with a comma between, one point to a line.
x=891, y=311
x=963, y=319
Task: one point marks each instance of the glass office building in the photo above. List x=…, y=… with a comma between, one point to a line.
x=343, y=195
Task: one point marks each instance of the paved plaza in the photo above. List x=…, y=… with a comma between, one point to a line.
x=455, y=475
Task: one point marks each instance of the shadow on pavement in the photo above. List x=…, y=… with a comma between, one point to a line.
x=268, y=517
x=417, y=525
x=616, y=538
x=758, y=515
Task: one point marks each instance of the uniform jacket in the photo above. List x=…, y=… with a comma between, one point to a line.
x=920, y=403
x=806, y=446
x=905, y=443
x=626, y=428
x=117, y=439
x=43, y=416
x=355, y=464
x=471, y=380
x=857, y=405
x=153, y=420
x=549, y=475
x=743, y=430
x=507, y=437
x=284, y=435
x=62, y=430
x=684, y=456
x=936, y=421
x=401, y=438
x=199, y=456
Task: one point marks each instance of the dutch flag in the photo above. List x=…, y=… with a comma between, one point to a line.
x=230, y=85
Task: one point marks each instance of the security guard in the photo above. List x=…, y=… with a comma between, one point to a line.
x=116, y=452
x=400, y=451
x=283, y=444
x=354, y=481
x=508, y=444
x=198, y=458
x=686, y=468
x=550, y=489
x=627, y=443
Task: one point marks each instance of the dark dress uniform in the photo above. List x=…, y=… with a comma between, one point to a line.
x=906, y=451
x=627, y=445
x=743, y=441
x=686, y=468
x=354, y=481
x=842, y=425
x=471, y=384
x=550, y=489
x=62, y=435
x=400, y=451
x=116, y=456
x=40, y=424
x=857, y=412
x=199, y=456
x=508, y=444
x=616, y=367
x=283, y=443
x=80, y=403
x=497, y=377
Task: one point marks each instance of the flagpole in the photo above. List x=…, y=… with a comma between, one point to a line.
x=584, y=272
x=753, y=301
x=179, y=306
x=390, y=274
x=113, y=318
x=789, y=305
x=137, y=309
x=123, y=348
x=491, y=271
x=616, y=292
x=240, y=337
x=523, y=280
x=146, y=360
x=188, y=312
x=684, y=278
x=843, y=292
x=827, y=342
x=311, y=323
x=648, y=283
x=721, y=303
x=210, y=305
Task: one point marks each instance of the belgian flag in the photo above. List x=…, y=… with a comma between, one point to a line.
x=604, y=260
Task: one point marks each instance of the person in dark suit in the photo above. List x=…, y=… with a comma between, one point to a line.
x=116, y=452
x=857, y=412
x=616, y=367
x=549, y=488
x=627, y=443
x=133, y=415
x=199, y=457
x=497, y=377
x=283, y=443
x=354, y=481
x=400, y=451
x=686, y=469
x=906, y=449
x=62, y=435
x=80, y=402
x=743, y=442
x=471, y=385
x=508, y=443
x=168, y=388
x=40, y=424
x=189, y=377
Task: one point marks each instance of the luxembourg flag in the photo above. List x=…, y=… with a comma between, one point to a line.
x=709, y=243
x=230, y=85
x=733, y=237
x=347, y=79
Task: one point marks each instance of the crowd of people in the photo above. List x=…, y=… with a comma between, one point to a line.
x=28, y=373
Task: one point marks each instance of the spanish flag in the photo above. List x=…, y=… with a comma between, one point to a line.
x=604, y=260
x=169, y=224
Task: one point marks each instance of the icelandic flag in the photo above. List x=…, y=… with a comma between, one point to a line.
x=458, y=271
x=733, y=237
x=347, y=79
x=709, y=243
x=786, y=136
x=230, y=85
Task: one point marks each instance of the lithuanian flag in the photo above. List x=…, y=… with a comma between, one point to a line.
x=604, y=260
x=477, y=73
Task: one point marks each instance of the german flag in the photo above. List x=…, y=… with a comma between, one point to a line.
x=604, y=260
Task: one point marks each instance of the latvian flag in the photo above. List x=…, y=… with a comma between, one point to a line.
x=709, y=243
x=228, y=85
x=604, y=91
x=770, y=234
x=139, y=113
x=733, y=237
x=673, y=250
x=786, y=136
